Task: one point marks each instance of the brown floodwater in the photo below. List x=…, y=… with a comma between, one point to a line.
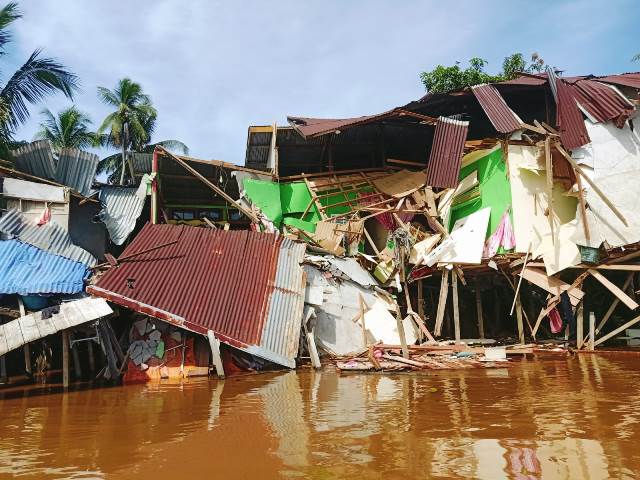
x=576, y=417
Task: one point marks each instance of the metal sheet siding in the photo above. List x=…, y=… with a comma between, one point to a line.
x=443, y=168
x=569, y=121
x=281, y=331
x=77, y=169
x=203, y=279
x=122, y=207
x=25, y=269
x=36, y=159
x=50, y=237
x=502, y=117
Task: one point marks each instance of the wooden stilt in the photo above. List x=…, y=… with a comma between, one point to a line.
x=92, y=358
x=401, y=334
x=613, y=306
x=77, y=368
x=313, y=350
x=3, y=370
x=579, y=326
x=456, y=307
x=214, y=343
x=592, y=331
x=65, y=358
x=442, y=302
x=479, y=312
x=519, y=319
x=420, y=299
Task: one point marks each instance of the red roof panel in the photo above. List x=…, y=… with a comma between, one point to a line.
x=443, y=168
x=202, y=279
x=569, y=121
x=502, y=118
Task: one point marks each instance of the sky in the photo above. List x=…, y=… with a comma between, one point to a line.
x=215, y=68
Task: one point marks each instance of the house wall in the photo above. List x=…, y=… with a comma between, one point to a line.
x=84, y=232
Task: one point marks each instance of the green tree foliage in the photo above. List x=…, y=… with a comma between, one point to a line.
x=69, y=128
x=35, y=80
x=444, y=79
x=129, y=127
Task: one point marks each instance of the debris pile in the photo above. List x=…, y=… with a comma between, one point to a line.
x=500, y=213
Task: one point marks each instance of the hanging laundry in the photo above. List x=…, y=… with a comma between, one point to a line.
x=44, y=217
x=555, y=322
x=503, y=236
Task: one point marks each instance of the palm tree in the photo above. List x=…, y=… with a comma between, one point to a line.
x=129, y=127
x=38, y=78
x=69, y=128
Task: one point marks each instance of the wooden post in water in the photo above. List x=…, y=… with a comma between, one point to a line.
x=65, y=358
x=456, y=307
x=479, y=312
x=77, y=369
x=592, y=331
x=92, y=358
x=215, y=353
x=519, y=319
x=579, y=325
x=3, y=370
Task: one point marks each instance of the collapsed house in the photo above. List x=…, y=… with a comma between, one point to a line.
x=452, y=232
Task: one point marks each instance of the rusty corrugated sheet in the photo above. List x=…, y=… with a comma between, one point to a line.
x=443, y=168
x=569, y=121
x=203, y=279
x=603, y=102
x=314, y=127
x=502, y=118
x=631, y=79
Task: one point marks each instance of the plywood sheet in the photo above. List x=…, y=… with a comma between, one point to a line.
x=401, y=183
x=468, y=235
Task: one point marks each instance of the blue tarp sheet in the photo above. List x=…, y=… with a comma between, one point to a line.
x=25, y=269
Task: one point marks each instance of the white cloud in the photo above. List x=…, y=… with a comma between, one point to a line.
x=214, y=68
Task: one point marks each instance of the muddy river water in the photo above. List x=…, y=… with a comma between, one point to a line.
x=576, y=417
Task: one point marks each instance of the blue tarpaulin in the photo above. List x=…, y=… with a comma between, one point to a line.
x=25, y=269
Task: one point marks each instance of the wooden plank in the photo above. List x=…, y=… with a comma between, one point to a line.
x=613, y=305
x=315, y=200
x=456, y=307
x=365, y=343
x=613, y=288
x=442, y=302
x=524, y=266
x=596, y=189
x=215, y=353
x=29, y=328
x=406, y=361
x=212, y=186
x=615, y=332
x=45, y=325
x=401, y=334
x=552, y=285
x=13, y=335
x=3, y=341
x=612, y=266
x=479, y=313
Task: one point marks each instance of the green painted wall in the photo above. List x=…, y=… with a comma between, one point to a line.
x=495, y=190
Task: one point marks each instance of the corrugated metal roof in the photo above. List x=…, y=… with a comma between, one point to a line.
x=122, y=206
x=77, y=169
x=569, y=121
x=204, y=279
x=142, y=162
x=50, y=237
x=25, y=269
x=443, y=168
x=36, y=159
x=631, y=79
x=313, y=127
x=603, y=102
x=502, y=117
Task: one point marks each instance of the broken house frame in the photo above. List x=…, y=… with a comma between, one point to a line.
x=414, y=239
